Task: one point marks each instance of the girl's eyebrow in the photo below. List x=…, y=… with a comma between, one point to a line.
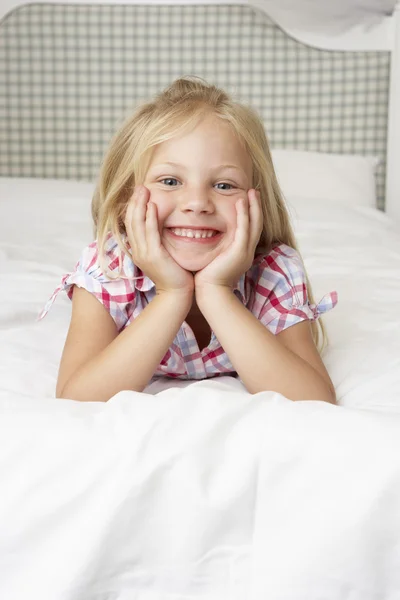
x=174, y=164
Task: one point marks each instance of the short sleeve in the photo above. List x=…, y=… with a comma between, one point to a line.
x=281, y=291
x=117, y=295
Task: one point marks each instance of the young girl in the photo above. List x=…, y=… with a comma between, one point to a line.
x=194, y=272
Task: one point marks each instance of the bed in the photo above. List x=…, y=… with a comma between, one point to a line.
x=199, y=490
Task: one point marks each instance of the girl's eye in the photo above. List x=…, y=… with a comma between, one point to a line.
x=168, y=179
x=223, y=183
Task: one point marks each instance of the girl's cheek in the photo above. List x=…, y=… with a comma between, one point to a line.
x=231, y=218
x=163, y=209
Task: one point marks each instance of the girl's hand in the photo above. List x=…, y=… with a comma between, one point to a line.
x=148, y=253
x=227, y=267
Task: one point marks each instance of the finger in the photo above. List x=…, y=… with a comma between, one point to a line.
x=133, y=198
x=139, y=202
x=242, y=230
x=129, y=210
x=152, y=232
x=140, y=199
x=255, y=212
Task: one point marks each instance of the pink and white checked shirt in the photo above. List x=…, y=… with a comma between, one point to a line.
x=273, y=289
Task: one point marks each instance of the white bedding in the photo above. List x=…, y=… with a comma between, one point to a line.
x=199, y=490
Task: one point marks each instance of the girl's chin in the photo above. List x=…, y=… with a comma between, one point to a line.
x=191, y=263
x=191, y=258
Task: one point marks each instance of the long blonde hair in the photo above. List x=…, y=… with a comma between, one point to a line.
x=181, y=106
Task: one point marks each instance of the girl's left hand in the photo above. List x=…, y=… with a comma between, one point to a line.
x=227, y=267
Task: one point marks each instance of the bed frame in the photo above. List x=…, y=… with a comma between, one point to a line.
x=120, y=54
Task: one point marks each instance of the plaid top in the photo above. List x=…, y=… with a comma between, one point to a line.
x=273, y=289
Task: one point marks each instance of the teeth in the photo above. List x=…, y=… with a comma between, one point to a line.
x=194, y=233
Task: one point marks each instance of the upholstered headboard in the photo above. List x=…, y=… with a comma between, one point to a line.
x=70, y=73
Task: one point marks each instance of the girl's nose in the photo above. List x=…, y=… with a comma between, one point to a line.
x=197, y=200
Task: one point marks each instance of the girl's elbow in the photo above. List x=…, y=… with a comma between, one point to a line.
x=59, y=392
x=69, y=393
x=326, y=394
x=331, y=393
x=331, y=398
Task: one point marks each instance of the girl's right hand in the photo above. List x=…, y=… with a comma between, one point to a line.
x=148, y=253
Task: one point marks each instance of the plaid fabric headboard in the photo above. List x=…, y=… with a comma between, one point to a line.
x=70, y=74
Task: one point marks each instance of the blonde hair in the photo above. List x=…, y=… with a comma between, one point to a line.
x=181, y=106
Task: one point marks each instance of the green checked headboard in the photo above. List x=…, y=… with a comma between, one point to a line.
x=70, y=73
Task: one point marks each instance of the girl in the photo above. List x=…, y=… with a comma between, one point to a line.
x=194, y=272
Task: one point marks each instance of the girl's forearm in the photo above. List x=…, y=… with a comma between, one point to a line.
x=261, y=361
x=129, y=362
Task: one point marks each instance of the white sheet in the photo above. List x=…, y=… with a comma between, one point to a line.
x=203, y=492
x=199, y=490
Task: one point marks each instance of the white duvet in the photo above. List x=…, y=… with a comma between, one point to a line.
x=199, y=490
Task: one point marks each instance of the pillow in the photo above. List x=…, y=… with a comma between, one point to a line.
x=346, y=178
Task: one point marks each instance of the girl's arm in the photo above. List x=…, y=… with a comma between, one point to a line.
x=97, y=362
x=262, y=361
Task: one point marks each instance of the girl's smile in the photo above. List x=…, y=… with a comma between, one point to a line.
x=194, y=235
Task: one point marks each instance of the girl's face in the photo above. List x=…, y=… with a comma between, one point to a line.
x=195, y=181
